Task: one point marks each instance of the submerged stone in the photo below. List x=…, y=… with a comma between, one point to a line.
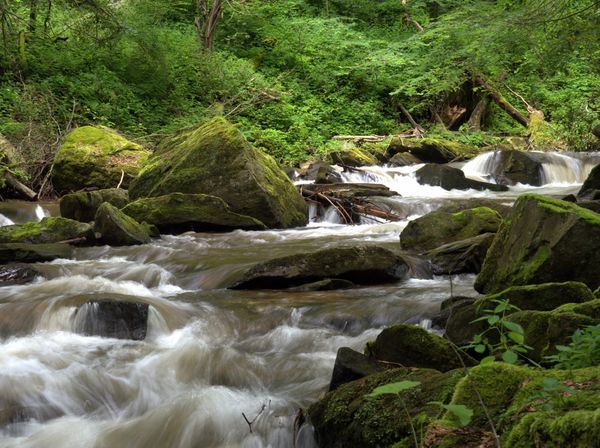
x=216, y=159
x=178, y=212
x=450, y=178
x=439, y=227
x=17, y=274
x=33, y=253
x=544, y=240
x=96, y=157
x=82, y=206
x=118, y=229
x=359, y=264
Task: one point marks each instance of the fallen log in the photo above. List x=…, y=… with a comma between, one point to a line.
x=502, y=102
x=18, y=186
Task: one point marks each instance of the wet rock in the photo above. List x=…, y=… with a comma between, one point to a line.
x=351, y=365
x=346, y=417
x=113, y=319
x=544, y=240
x=431, y=150
x=457, y=205
x=82, y=206
x=48, y=230
x=178, y=212
x=33, y=253
x=590, y=205
x=329, y=284
x=591, y=185
x=117, y=229
x=17, y=274
x=216, y=159
x=412, y=346
x=403, y=159
x=96, y=157
x=439, y=227
x=461, y=257
x=513, y=166
x=352, y=156
x=452, y=179
x=322, y=173
x=359, y=264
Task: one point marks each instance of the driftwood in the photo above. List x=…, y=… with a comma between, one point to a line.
x=413, y=133
x=350, y=206
x=497, y=97
x=18, y=186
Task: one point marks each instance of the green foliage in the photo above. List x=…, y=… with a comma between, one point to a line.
x=502, y=337
x=583, y=351
x=462, y=413
x=394, y=388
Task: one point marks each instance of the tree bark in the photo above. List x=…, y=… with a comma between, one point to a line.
x=412, y=121
x=502, y=102
x=476, y=117
x=209, y=13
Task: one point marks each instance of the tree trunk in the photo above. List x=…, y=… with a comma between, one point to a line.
x=209, y=13
x=502, y=102
x=18, y=186
x=32, y=16
x=416, y=126
x=476, y=118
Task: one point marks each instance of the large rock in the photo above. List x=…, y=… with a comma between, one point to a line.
x=216, y=159
x=352, y=156
x=322, y=173
x=452, y=179
x=502, y=206
x=403, y=159
x=33, y=253
x=359, y=264
x=591, y=184
x=82, y=206
x=96, y=157
x=111, y=316
x=117, y=229
x=461, y=257
x=48, y=230
x=347, y=417
x=431, y=150
x=439, y=227
x=412, y=346
x=510, y=167
x=544, y=240
x=17, y=274
x=351, y=365
x=179, y=212
x=349, y=191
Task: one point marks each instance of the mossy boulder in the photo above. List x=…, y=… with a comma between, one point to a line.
x=82, y=206
x=450, y=178
x=457, y=205
x=513, y=166
x=346, y=417
x=96, y=157
x=460, y=257
x=33, y=253
x=412, y=346
x=179, y=212
x=352, y=156
x=351, y=365
x=403, y=159
x=439, y=227
x=48, y=230
x=591, y=184
x=431, y=150
x=359, y=264
x=530, y=408
x=543, y=240
x=216, y=159
x=117, y=229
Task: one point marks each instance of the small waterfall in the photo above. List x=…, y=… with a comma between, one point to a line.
x=482, y=167
x=40, y=213
x=4, y=221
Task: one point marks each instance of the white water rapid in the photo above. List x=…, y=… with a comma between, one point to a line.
x=210, y=354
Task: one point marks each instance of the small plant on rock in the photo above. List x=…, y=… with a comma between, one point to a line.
x=583, y=351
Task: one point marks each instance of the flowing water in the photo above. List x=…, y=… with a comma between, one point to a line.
x=210, y=354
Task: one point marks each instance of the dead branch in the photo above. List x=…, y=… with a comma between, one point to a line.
x=417, y=128
x=121, y=181
x=501, y=101
x=20, y=187
x=251, y=422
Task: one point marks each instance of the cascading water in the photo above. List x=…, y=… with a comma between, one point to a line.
x=210, y=354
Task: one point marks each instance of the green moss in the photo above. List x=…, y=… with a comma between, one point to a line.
x=187, y=212
x=216, y=159
x=440, y=227
x=82, y=206
x=346, y=417
x=118, y=229
x=352, y=156
x=96, y=157
x=48, y=230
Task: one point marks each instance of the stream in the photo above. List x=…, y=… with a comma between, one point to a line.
x=211, y=354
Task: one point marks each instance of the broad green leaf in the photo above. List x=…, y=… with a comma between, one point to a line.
x=394, y=388
x=487, y=360
x=461, y=412
x=502, y=306
x=511, y=326
x=493, y=319
x=517, y=337
x=480, y=348
x=510, y=357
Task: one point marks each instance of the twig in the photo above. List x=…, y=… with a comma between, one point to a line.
x=251, y=422
x=121, y=181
